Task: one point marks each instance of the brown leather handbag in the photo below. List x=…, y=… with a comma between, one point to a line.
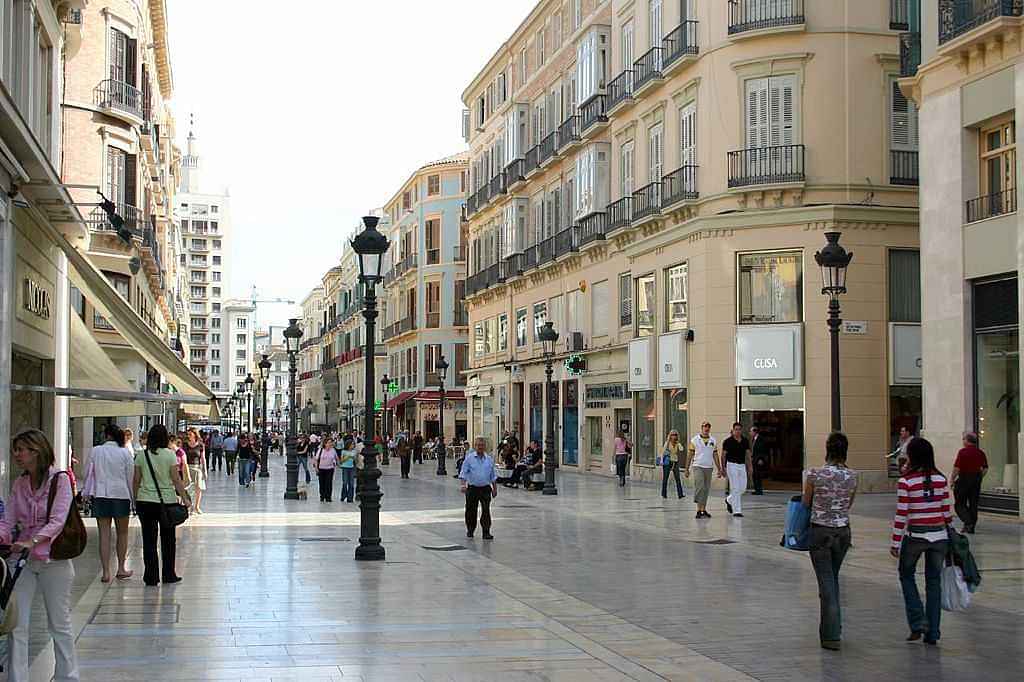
x=70, y=542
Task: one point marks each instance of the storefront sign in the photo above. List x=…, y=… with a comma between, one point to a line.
x=904, y=354
x=672, y=360
x=641, y=356
x=596, y=405
x=617, y=391
x=36, y=299
x=769, y=354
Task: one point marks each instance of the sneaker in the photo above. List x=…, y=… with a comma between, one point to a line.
x=488, y=536
x=469, y=533
x=737, y=516
x=728, y=507
x=700, y=515
x=706, y=515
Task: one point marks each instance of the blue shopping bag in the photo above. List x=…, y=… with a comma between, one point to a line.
x=797, y=533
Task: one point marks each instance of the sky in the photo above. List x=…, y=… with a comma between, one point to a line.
x=313, y=112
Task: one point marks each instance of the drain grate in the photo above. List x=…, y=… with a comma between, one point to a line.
x=444, y=548
x=136, y=614
x=717, y=541
x=325, y=539
x=515, y=506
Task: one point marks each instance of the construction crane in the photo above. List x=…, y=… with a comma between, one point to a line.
x=254, y=299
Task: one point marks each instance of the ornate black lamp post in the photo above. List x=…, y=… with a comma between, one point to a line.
x=549, y=337
x=249, y=381
x=292, y=335
x=370, y=245
x=309, y=415
x=442, y=373
x=264, y=366
x=833, y=261
x=351, y=393
x=327, y=410
x=277, y=420
x=385, y=458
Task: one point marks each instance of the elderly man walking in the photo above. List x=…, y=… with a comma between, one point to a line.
x=479, y=475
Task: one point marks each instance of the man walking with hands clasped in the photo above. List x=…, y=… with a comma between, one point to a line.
x=479, y=476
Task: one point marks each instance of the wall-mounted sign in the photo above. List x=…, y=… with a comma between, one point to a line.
x=617, y=391
x=641, y=355
x=769, y=354
x=855, y=327
x=904, y=354
x=393, y=387
x=575, y=365
x=672, y=360
x=36, y=299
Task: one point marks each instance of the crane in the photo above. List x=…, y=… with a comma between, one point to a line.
x=254, y=299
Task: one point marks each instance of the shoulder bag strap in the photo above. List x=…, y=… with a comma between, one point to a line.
x=152, y=473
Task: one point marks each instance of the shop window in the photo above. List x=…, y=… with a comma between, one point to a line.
x=676, y=302
x=540, y=316
x=646, y=301
x=521, y=327
x=770, y=287
x=644, y=444
x=676, y=412
x=625, y=300
x=904, y=285
x=595, y=437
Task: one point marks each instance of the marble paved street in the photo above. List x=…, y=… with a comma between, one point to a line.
x=598, y=583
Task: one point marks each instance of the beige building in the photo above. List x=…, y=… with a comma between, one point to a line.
x=965, y=70
x=309, y=384
x=655, y=179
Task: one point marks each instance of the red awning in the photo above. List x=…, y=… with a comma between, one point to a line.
x=399, y=399
x=436, y=395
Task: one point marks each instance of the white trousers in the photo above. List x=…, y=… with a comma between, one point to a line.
x=737, y=474
x=54, y=579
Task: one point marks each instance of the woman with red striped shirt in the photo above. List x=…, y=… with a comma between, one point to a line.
x=920, y=528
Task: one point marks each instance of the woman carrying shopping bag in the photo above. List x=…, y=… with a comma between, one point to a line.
x=671, y=454
x=622, y=449
x=326, y=462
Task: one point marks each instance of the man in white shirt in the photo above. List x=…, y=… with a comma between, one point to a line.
x=702, y=456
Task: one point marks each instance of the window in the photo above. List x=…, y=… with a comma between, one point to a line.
x=503, y=332
x=903, y=130
x=770, y=287
x=625, y=300
x=771, y=112
x=121, y=178
x=645, y=305
x=78, y=302
x=626, y=171
x=216, y=291
x=458, y=377
x=199, y=244
x=490, y=335
x=688, y=135
x=241, y=323
x=655, y=152
x=432, y=237
x=406, y=201
x=123, y=60
x=577, y=14
x=433, y=305
x=215, y=323
x=523, y=67
x=433, y=185
x=216, y=275
x=198, y=292
x=215, y=338
x=627, y=45
x=216, y=245
x=240, y=354
x=240, y=370
x=478, y=339
x=216, y=260
x=521, y=327
x=676, y=306
x=240, y=339
x=555, y=314
x=431, y=353
x=215, y=354
x=540, y=47
x=904, y=285
x=573, y=323
x=654, y=28
x=599, y=309
x=540, y=316
x=998, y=174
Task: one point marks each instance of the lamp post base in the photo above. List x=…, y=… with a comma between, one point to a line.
x=549, y=491
x=370, y=553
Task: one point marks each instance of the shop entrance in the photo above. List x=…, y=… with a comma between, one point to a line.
x=778, y=413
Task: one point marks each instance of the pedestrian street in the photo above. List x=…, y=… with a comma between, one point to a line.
x=598, y=583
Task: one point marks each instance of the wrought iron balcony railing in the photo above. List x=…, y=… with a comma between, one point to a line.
x=647, y=201
x=565, y=241
x=592, y=112
x=545, y=250
x=680, y=185
x=620, y=213
x=756, y=15
x=548, y=146
x=766, y=165
x=681, y=41
x=647, y=68
x=991, y=205
x=114, y=94
x=498, y=186
x=530, y=258
x=133, y=219
x=910, y=54
x=957, y=17
x=515, y=172
x=531, y=161
x=903, y=169
x=592, y=228
x=620, y=89
x=569, y=132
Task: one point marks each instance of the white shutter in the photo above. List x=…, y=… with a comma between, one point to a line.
x=688, y=135
x=782, y=110
x=627, y=169
x=655, y=27
x=656, y=153
x=627, y=44
x=689, y=10
x=902, y=121
x=756, y=113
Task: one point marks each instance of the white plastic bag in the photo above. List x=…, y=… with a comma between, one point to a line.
x=955, y=595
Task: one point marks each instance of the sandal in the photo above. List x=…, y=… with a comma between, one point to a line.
x=104, y=580
x=125, y=576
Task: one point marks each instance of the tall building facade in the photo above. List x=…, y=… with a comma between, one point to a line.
x=963, y=66
x=424, y=287
x=205, y=222
x=310, y=392
x=654, y=179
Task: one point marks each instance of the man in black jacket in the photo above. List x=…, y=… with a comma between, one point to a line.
x=761, y=457
x=417, y=448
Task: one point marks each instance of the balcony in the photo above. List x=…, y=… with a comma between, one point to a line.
x=783, y=164
x=531, y=163
x=515, y=172
x=498, y=186
x=151, y=257
x=530, y=258
x=620, y=213
x=470, y=206
x=459, y=254
x=647, y=70
x=957, y=17
x=565, y=242
x=406, y=264
x=569, y=133
x=496, y=274
x=677, y=46
x=120, y=97
x=545, y=251
x=433, y=320
x=759, y=15
x=910, y=54
x=620, y=91
x=593, y=115
x=992, y=205
x=514, y=265
x=483, y=195
x=591, y=229
x=548, y=147
x=680, y=185
x=647, y=202
x=133, y=219
x=460, y=316
x=474, y=283
x=899, y=15
x=903, y=169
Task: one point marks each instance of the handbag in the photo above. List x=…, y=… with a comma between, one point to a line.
x=956, y=596
x=70, y=542
x=797, y=533
x=175, y=513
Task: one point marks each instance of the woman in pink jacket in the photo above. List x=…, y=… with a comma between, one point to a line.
x=27, y=509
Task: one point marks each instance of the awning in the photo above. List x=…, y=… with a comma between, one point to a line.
x=94, y=286
x=400, y=399
x=434, y=396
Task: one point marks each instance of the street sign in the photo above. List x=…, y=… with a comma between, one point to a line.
x=378, y=404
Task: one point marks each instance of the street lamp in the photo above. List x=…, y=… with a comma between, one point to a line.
x=327, y=410
x=351, y=392
x=237, y=410
x=833, y=261
x=370, y=245
x=264, y=366
x=385, y=456
x=249, y=381
x=442, y=372
x=292, y=335
x=309, y=415
x=549, y=337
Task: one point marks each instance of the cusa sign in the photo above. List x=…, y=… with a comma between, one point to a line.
x=765, y=363
x=769, y=355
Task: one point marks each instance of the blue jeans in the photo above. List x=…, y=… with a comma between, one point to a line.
x=304, y=463
x=923, y=619
x=244, y=471
x=348, y=483
x=828, y=549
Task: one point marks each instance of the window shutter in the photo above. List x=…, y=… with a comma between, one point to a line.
x=782, y=113
x=688, y=135
x=655, y=28
x=130, y=62
x=118, y=45
x=627, y=169
x=757, y=113
x=656, y=153
x=130, y=185
x=902, y=121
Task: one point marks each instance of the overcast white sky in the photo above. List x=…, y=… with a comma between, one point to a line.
x=314, y=111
